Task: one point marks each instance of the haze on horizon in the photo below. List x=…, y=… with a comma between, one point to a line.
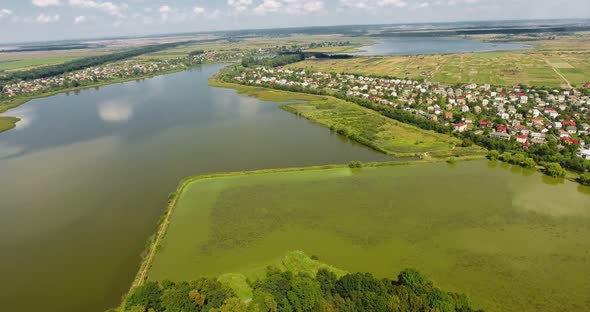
x=37, y=20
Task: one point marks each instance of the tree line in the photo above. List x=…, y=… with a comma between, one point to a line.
x=85, y=62
x=279, y=290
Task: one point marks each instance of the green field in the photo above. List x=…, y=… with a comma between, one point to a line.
x=512, y=240
x=534, y=68
x=32, y=63
x=369, y=127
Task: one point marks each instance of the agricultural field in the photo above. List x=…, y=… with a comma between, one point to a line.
x=366, y=126
x=535, y=68
x=515, y=241
x=32, y=63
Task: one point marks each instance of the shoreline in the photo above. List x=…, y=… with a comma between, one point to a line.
x=305, y=97
x=16, y=102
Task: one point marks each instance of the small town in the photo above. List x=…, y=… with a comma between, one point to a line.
x=526, y=115
x=120, y=70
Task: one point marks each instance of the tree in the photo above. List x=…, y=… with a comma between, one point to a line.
x=493, y=155
x=506, y=156
x=327, y=280
x=147, y=296
x=529, y=163
x=584, y=179
x=415, y=281
x=305, y=294
x=554, y=170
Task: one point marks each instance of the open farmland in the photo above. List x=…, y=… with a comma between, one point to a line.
x=32, y=63
x=534, y=68
x=515, y=241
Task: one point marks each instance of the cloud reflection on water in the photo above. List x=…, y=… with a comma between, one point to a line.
x=115, y=111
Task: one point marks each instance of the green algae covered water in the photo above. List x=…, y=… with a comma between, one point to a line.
x=512, y=239
x=85, y=177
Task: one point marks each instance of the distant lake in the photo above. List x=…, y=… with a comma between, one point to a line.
x=85, y=177
x=434, y=45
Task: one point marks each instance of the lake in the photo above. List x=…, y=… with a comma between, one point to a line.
x=434, y=45
x=85, y=177
x=510, y=238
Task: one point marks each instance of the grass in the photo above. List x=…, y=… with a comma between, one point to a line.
x=32, y=63
x=7, y=123
x=500, y=68
x=512, y=239
x=364, y=125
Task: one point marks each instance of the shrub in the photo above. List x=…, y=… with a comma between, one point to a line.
x=554, y=170
x=584, y=179
x=355, y=164
x=493, y=155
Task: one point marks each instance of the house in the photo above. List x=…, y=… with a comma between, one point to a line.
x=571, y=129
x=448, y=115
x=571, y=141
x=502, y=128
x=460, y=127
x=551, y=112
x=587, y=85
x=521, y=138
x=485, y=124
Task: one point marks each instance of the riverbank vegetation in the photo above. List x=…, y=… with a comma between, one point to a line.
x=301, y=287
x=361, y=124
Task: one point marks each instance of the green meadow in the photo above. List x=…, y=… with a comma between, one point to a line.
x=511, y=239
x=13, y=65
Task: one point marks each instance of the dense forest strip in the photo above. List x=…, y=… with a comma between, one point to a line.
x=54, y=70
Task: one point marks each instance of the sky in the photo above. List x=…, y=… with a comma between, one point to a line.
x=36, y=20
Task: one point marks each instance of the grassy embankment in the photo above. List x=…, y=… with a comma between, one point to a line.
x=361, y=124
x=547, y=68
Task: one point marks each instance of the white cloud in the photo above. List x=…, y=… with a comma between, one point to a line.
x=80, y=19
x=292, y=7
x=5, y=13
x=46, y=19
x=297, y=7
x=268, y=6
x=106, y=7
x=198, y=10
x=239, y=5
x=373, y=4
x=165, y=9
x=46, y=3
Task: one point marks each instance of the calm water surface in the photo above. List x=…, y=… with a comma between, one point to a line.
x=434, y=45
x=85, y=177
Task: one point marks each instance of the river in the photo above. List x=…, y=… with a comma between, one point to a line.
x=434, y=45
x=85, y=177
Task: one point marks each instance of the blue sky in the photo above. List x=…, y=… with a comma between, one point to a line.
x=31, y=20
